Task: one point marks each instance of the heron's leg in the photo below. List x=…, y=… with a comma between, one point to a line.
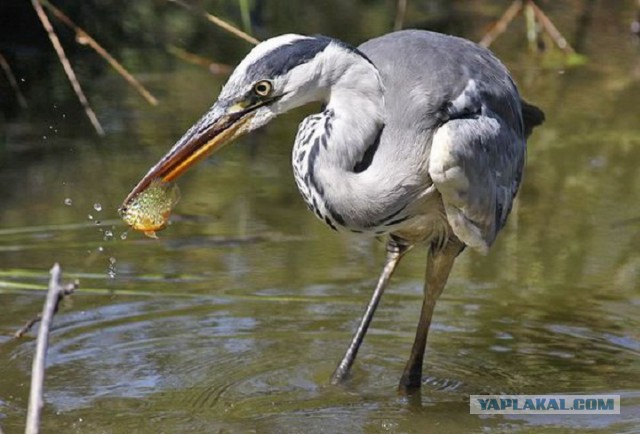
x=395, y=251
x=439, y=264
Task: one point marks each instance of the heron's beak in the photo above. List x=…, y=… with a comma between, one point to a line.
x=217, y=127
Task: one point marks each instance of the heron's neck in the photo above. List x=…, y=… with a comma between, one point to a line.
x=334, y=148
x=355, y=103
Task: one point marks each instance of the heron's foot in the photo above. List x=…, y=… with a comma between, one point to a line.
x=410, y=382
x=413, y=396
x=340, y=375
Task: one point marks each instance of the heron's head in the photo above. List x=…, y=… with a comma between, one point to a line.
x=277, y=75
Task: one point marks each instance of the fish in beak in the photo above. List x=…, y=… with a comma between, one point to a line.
x=149, y=204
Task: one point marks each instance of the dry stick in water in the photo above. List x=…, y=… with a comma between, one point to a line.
x=85, y=39
x=54, y=296
x=401, y=11
x=11, y=78
x=514, y=9
x=66, y=290
x=67, y=67
x=501, y=25
x=195, y=59
x=25, y=328
x=551, y=30
x=220, y=23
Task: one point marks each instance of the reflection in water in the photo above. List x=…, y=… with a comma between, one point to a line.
x=233, y=320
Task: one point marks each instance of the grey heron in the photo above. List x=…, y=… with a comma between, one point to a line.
x=421, y=139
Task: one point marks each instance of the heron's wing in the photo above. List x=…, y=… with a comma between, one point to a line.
x=476, y=163
x=452, y=109
x=532, y=117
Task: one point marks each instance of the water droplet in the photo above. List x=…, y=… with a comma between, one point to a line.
x=101, y=249
x=98, y=222
x=97, y=207
x=90, y=217
x=123, y=236
x=108, y=235
x=111, y=269
x=68, y=201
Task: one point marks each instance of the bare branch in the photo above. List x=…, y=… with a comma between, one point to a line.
x=11, y=78
x=37, y=371
x=27, y=327
x=68, y=69
x=195, y=59
x=64, y=291
x=218, y=22
x=84, y=38
x=401, y=11
x=514, y=9
x=501, y=25
x=551, y=30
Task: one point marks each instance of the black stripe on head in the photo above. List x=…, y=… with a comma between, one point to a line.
x=283, y=59
x=350, y=48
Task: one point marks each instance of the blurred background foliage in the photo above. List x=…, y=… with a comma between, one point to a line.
x=140, y=32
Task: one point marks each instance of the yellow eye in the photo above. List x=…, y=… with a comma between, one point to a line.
x=263, y=88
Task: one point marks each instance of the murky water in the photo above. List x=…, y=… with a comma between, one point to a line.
x=233, y=321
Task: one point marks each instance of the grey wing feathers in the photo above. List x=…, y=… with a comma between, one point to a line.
x=460, y=99
x=477, y=156
x=476, y=164
x=532, y=117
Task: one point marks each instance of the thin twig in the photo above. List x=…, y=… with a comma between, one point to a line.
x=71, y=75
x=245, y=14
x=84, y=38
x=25, y=328
x=64, y=291
x=533, y=33
x=401, y=11
x=37, y=371
x=551, y=30
x=195, y=59
x=218, y=22
x=11, y=78
x=501, y=25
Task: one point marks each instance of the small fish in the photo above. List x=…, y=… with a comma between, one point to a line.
x=149, y=210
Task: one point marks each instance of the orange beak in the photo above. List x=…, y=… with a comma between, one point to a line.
x=211, y=133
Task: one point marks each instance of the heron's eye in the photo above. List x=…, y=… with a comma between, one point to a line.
x=263, y=88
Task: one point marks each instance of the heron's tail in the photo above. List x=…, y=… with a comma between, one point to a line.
x=532, y=117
